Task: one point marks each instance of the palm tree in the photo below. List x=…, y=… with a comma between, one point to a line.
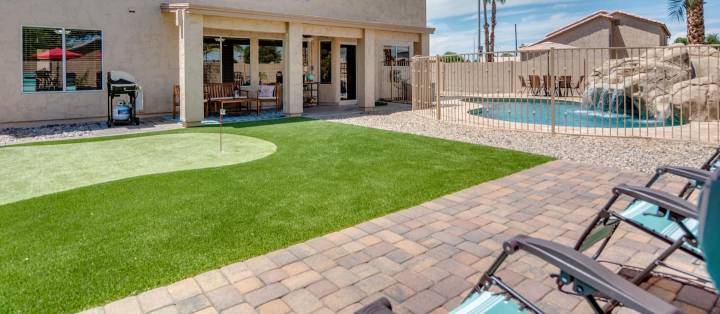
x=692, y=11
x=494, y=23
x=487, y=31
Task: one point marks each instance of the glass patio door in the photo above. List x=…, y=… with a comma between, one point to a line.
x=348, y=67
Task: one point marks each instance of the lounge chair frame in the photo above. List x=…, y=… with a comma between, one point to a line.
x=588, y=277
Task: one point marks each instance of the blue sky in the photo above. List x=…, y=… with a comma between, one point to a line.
x=456, y=20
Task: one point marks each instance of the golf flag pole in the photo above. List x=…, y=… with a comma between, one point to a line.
x=222, y=113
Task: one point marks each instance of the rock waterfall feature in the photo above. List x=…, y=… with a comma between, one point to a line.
x=679, y=83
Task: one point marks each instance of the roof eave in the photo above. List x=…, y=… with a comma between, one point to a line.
x=250, y=14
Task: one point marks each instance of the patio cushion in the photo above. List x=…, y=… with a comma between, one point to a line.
x=646, y=214
x=487, y=302
x=266, y=91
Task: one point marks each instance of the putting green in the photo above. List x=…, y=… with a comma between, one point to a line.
x=30, y=171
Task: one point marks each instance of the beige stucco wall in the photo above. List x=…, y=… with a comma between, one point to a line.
x=143, y=43
x=632, y=32
x=594, y=34
x=624, y=31
x=138, y=38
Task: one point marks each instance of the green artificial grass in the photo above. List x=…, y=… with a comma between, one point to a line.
x=84, y=247
x=42, y=170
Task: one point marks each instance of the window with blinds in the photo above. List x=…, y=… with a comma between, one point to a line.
x=59, y=59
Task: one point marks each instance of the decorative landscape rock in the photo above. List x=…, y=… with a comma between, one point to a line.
x=698, y=99
x=678, y=83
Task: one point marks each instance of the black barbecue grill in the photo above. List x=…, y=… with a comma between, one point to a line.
x=121, y=84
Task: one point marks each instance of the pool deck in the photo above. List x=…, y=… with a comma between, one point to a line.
x=425, y=259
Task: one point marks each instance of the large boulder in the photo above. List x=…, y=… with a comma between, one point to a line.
x=705, y=61
x=697, y=99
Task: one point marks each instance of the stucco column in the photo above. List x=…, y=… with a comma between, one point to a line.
x=367, y=65
x=424, y=45
x=192, y=110
x=336, y=69
x=293, y=76
x=254, y=61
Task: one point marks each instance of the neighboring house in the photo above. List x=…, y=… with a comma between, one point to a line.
x=56, y=53
x=605, y=29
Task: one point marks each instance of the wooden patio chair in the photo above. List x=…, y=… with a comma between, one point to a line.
x=578, y=86
x=176, y=101
x=547, y=84
x=523, y=85
x=265, y=98
x=564, y=82
x=535, y=84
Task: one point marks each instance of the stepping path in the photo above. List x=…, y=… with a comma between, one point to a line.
x=426, y=258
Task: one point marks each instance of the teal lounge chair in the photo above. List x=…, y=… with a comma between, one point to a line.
x=670, y=218
x=588, y=277
x=709, y=220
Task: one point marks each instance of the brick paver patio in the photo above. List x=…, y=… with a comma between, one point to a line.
x=426, y=258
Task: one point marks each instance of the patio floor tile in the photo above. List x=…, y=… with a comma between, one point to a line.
x=343, y=297
x=266, y=294
x=322, y=288
x=155, y=299
x=225, y=297
x=211, y=280
x=124, y=306
x=302, y=301
x=193, y=304
x=184, y=289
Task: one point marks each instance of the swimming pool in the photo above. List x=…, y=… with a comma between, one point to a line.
x=567, y=113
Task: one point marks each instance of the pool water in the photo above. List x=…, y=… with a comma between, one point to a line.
x=567, y=113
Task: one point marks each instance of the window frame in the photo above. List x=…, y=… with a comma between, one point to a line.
x=64, y=62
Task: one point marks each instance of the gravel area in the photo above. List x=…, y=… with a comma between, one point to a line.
x=11, y=136
x=632, y=154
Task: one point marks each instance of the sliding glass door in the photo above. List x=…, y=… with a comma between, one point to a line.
x=348, y=67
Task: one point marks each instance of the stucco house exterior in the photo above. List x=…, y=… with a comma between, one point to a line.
x=56, y=53
x=605, y=29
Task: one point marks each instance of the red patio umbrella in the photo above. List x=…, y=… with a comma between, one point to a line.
x=56, y=54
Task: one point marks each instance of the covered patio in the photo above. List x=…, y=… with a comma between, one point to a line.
x=308, y=61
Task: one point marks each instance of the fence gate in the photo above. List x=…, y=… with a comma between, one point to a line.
x=394, y=82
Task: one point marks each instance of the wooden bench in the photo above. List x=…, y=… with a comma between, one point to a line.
x=222, y=94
